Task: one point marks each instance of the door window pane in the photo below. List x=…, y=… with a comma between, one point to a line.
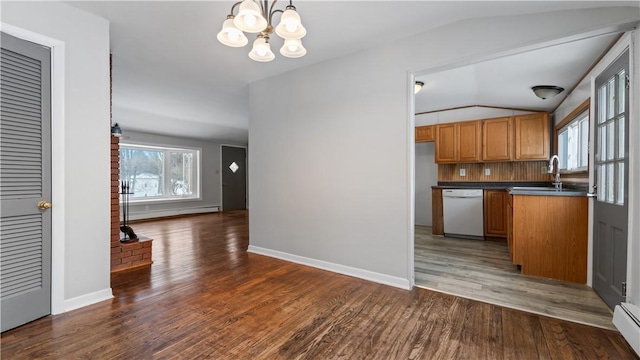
x=611, y=106
x=602, y=182
x=610, y=183
x=602, y=132
x=621, y=91
x=620, y=183
x=611, y=134
x=602, y=104
x=621, y=143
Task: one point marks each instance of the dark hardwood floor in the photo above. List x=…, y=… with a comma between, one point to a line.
x=206, y=297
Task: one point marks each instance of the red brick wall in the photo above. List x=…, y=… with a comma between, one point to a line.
x=123, y=255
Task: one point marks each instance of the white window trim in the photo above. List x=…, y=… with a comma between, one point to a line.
x=161, y=200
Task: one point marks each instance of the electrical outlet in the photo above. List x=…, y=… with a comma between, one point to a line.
x=463, y=172
x=543, y=170
x=487, y=172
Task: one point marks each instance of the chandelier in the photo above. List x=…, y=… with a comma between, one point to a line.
x=255, y=16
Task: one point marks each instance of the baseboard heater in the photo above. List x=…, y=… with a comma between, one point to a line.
x=142, y=215
x=626, y=318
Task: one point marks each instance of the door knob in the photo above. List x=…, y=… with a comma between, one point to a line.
x=44, y=205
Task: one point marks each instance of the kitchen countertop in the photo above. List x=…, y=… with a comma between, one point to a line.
x=517, y=188
x=486, y=185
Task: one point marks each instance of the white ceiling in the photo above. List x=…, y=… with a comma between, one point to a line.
x=171, y=75
x=507, y=81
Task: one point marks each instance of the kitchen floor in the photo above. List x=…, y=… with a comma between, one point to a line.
x=482, y=270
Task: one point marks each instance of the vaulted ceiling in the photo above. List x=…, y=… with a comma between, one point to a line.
x=171, y=75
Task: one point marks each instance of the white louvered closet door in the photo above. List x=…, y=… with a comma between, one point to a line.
x=25, y=181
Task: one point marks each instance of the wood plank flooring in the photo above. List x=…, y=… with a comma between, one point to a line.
x=482, y=270
x=206, y=297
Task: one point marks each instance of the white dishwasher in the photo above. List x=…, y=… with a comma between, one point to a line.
x=463, y=213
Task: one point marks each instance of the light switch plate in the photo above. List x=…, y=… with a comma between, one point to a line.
x=487, y=172
x=463, y=172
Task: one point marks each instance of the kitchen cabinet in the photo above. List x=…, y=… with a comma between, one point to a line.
x=497, y=139
x=548, y=236
x=425, y=133
x=458, y=142
x=532, y=137
x=437, y=215
x=509, y=210
x=495, y=213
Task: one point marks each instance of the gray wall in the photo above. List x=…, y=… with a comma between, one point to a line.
x=80, y=145
x=210, y=176
x=426, y=177
x=331, y=164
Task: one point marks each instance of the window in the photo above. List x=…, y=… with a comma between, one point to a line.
x=160, y=173
x=573, y=140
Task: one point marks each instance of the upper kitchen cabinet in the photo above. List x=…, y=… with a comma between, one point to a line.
x=497, y=139
x=532, y=137
x=458, y=142
x=425, y=133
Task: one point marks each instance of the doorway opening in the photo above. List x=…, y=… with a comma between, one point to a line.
x=484, y=270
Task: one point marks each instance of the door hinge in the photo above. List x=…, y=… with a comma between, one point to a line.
x=624, y=289
x=626, y=80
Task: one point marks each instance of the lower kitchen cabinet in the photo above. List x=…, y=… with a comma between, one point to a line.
x=437, y=216
x=548, y=236
x=495, y=213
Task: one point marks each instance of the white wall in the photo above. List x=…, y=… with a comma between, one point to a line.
x=426, y=177
x=332, y=165
x=210, y=176
x=80, y=142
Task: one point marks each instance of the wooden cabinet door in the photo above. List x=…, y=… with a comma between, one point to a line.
x=497, y=143
x=532, y=136
x=509, y=208
x=437, y=214
x=495, y=213
x=425, y=133
x=446, y=151
x=468, y=141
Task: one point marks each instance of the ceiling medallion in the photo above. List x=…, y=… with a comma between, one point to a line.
x=255, y=16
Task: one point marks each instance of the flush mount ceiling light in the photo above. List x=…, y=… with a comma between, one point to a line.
x=419, y=85
x=546, y=91
x=255, y=16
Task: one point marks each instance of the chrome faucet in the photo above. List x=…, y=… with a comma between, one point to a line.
x=557, y=183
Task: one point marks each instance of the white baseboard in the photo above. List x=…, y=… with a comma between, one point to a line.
x=337, y=268
x=627, y=326
x=143, y=215
x=88, y=299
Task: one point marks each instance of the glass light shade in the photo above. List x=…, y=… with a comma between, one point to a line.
x=293, y=48
x=290, y=26
x=418, y=87
x=250, y=17
x=231, y=36
x=546, y=91
x=261, y=51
